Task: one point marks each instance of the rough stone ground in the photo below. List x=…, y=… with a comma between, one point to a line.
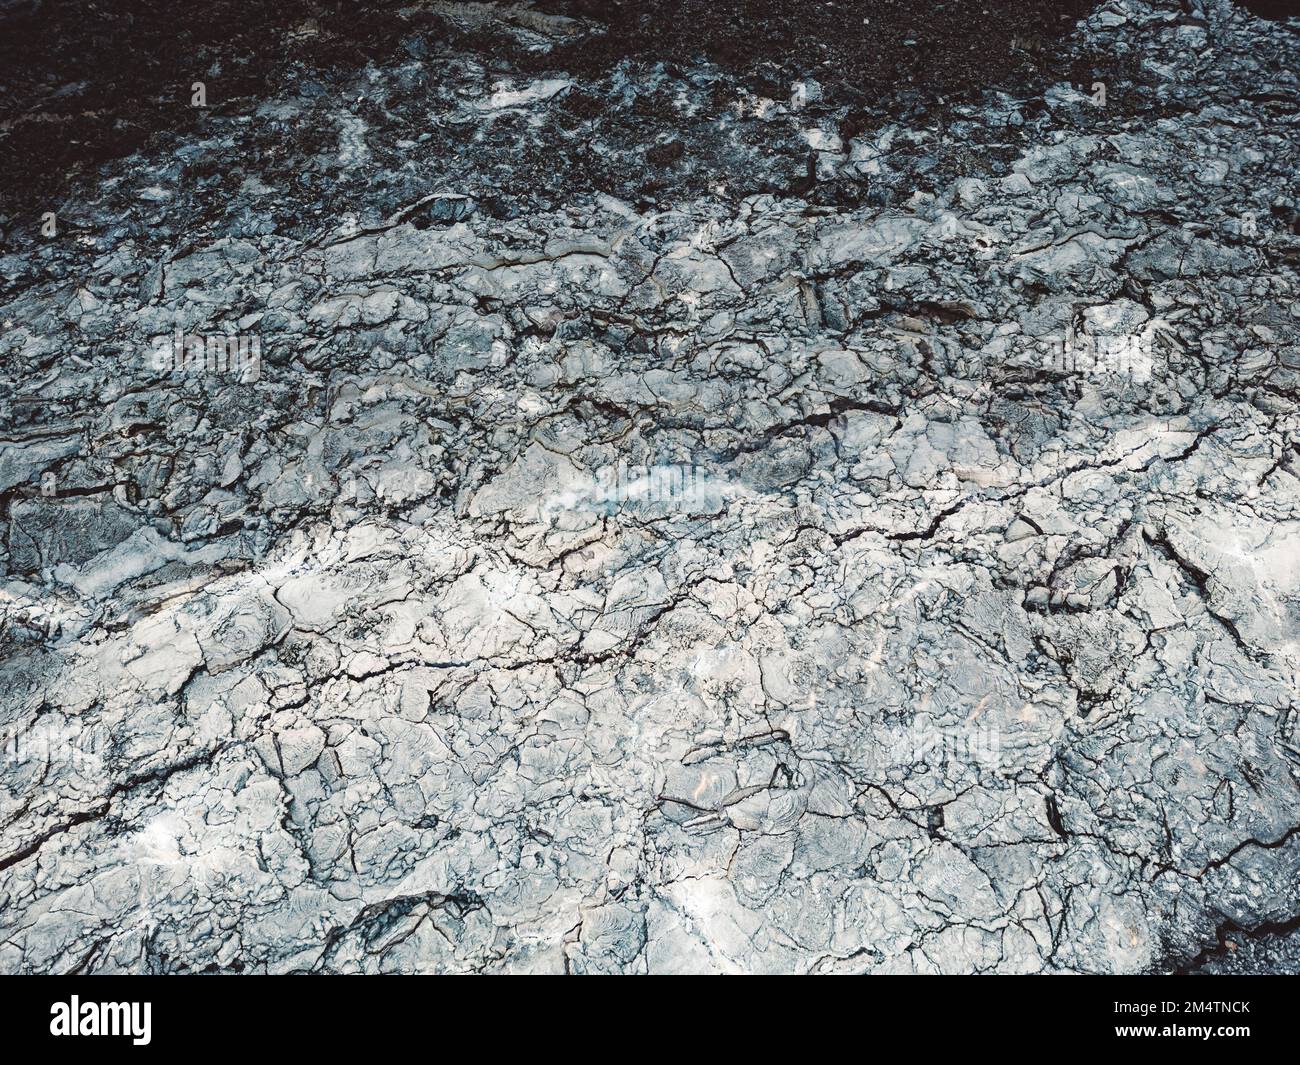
x=907, y=650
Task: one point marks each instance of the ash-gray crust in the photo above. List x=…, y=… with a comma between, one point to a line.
x=718, y=586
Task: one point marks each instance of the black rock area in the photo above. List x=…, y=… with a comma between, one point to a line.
x=84, y=83
x=1274, y=9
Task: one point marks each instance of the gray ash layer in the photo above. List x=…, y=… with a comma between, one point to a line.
x=819, y=541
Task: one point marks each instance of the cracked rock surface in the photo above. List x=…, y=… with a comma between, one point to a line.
x=651, y=536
